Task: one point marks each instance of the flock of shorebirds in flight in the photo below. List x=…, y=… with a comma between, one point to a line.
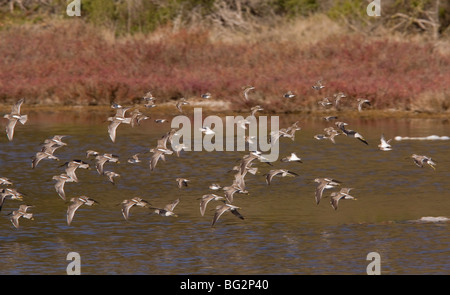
x=161, y=150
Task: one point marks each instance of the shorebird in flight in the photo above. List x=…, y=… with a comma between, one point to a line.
x=74, y=165
x=111, y=175
x=205, y=199
x=318, y=85
x=292, y=158
x=342, y=194
x=206, y=95
x=255, y=109
x=384, y=144
x=5, y=181
x=45, y=153
x=350, y=133
x=325, y=102
x=100, y=161
x=246, y=90
x=337, y=99
x=224, y=208
x=182, y=182
x=13, y=117
x=362, y=102
x=136, y=201
x=330, y=118
x=331, y=133
x=289, y=95
x=149, y=100
x=167, y=210
x=118, y=119
x=181, y=103
x=134, y=159
x=75, y=203
x=420, y=160
x=282, y=172
x=21, y=212
x=323, y=184
x=59, y=185
x=215, y=187
x=136, y=117
x=9, y=193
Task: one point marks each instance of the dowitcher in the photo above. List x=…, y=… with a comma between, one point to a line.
x=331, y=134
x=56, y=139
x=115, y=105
x=111, y=175
x=290, y=131
x=134, y=159
x=118, y=119
x=149, y=100
x=5, y=181
x=59, y=185
x=325, y=102
x=158, y=154
x=168, y=209
x=46, y=153
x=177, y=148
x=75, y=203
x=282, y=172
x=100, y=161
x=350, y=133
x=384, y=144
x=323, y=184
x=420, y=160
x=289, y=95
x=13, y=117
x=21, y=212
x=224, y=208
x=318, y=85
x=206, y=95
x=330, y=118
x=137, y=117
x=246, y=90
x=292, y=158
x=342, y=194
x=256, y=109
x=215, y=187
x=182, y=182
x=337, y=99
x=74, y=165
x=11, y=194
x=136, y=201
x=362, y=102
x=181, y=103
x=91, y=153
x=231, y=190
x=205, y=199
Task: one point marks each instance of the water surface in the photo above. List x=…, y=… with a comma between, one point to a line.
x=284, y=231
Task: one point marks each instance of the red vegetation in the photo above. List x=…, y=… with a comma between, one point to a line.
x=76, y=65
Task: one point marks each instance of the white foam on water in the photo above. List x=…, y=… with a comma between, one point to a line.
x=430, y=137
x=434, y=219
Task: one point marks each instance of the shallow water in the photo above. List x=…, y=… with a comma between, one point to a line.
x=284, y=231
